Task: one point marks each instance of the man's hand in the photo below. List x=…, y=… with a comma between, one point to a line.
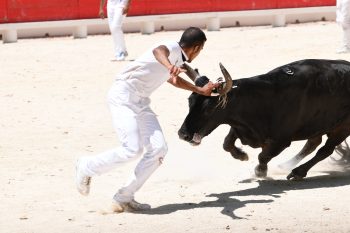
x=101, y=14
x=125, y=10
x=208, y=88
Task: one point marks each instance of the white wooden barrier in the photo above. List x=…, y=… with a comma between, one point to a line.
x=148, y=24
x=78, y=28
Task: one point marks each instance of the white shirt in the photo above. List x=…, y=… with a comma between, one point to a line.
x=146, y=74
x=119, y=3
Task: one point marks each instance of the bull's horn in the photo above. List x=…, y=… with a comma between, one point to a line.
x=228, y=81
x=191, y=73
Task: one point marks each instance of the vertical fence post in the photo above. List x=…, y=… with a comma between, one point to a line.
x=9, y=36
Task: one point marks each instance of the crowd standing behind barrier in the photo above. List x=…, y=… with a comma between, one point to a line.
x=38, y=18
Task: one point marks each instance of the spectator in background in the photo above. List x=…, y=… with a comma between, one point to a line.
x=116, y=12
x=343, y=18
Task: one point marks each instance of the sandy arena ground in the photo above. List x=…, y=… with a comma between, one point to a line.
x=53, y=101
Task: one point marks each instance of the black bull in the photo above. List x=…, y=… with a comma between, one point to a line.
x=302, y=100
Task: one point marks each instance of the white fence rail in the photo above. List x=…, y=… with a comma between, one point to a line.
x=148, y=24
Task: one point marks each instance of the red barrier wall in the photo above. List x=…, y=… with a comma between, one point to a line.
x=45, y=10
x=90, y=8
x=154, y=7
x=3, y=11
x=304, y=3
x=41, y=10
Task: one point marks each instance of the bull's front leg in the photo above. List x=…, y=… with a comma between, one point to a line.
x=269, y=151
x=229, y=146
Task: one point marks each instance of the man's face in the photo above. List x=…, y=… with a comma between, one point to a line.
x=195, y=51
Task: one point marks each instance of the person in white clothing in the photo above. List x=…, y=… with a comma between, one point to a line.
x=116, y=13
x=343, y=19
x=134, y=121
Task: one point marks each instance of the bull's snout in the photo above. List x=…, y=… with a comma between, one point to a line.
x=194, y=139
x=184, y=136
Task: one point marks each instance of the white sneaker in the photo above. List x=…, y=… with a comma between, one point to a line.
x=133, y=205
x=121, y=56
x=82, y=181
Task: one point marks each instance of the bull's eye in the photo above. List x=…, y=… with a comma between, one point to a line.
x=201, y=105
x=207, y=108
x=195, y=100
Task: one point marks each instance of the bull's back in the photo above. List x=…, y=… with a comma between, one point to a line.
x=298, y=100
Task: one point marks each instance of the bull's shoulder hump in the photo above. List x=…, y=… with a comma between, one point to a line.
x=311, y=66
x=297, y=71
x=319, y=64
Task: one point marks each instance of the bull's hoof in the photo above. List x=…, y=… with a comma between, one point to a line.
x=261, y=171
x=293, y=176
x=242, y=157
x=297, y=174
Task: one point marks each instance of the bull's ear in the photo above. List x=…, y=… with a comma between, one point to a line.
x=228, y=81
x=191, y=73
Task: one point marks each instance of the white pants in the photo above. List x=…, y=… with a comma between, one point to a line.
x=343, y=19
x=115, y=22
x=139, y=133
x=346, y=36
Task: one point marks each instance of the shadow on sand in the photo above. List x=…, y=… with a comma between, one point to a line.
x=267, y=189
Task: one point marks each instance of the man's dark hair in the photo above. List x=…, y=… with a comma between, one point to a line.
x=192, y=36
